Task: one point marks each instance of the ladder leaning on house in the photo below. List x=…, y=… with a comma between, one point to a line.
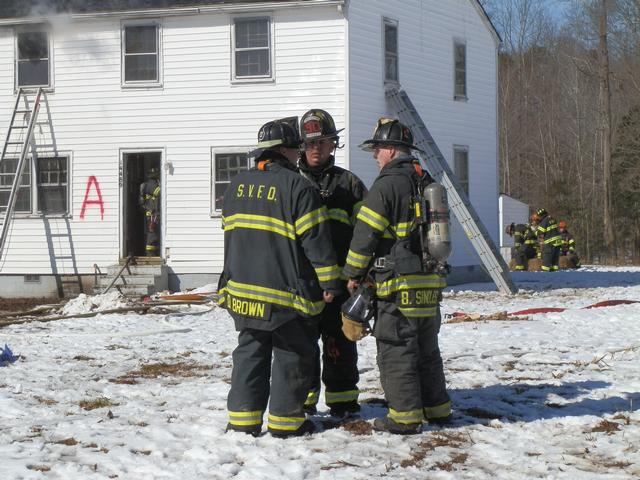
x=17, y=145
x=439, y=169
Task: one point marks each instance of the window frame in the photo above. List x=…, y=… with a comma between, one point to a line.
x=386, y=21
x=460, y=96
x=235, y=79
x=34, y=28
x=464, y=183
x=235, y=150
x=158, y=82
x=34, y=194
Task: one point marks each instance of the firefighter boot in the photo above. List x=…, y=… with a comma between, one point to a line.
x=307, y=428
x=344, y=409
x=385, y=424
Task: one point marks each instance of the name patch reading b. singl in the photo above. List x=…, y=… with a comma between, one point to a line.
x=417, y=298
x=249, y=308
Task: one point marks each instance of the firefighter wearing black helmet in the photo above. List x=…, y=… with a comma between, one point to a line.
x=407, y=320
x=278, y=274
x=341, y=192
x=149, y=202
x=550, y=241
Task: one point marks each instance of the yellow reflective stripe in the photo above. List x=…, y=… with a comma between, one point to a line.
x=354, y=212
x=156, y=191
x=358, y=260
x=326, y=274
x=311, y=219
x=221, y=298
x=372, y=218
x=419, y=311
x=553, y=239
x=339, y=215
x=245, y=418
x=411, y=416
x=338, y=397
x=402, y=229
x=439, y=411
x=387, y=234
x=277, y=297
x=260, y=222
x=284, y=423
x=312, y=398
x=409, y=282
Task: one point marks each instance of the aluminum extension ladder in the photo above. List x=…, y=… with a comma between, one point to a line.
x=17, y=145
x=439, y=169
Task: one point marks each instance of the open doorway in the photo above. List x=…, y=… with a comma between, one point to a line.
x=138, y=168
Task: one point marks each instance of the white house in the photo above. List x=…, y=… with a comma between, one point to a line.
x=510, y=210
x=185, y=86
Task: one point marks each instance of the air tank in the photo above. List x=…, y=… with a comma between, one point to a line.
x=438, y=231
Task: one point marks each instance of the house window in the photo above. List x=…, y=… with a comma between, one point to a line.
x=226, y=165
x=7, y=174
x=51, y=186
x=32, y=59
x=460, y=74
x=252, y=48
x=461, y=167
x=141, y=54
x=390, y=50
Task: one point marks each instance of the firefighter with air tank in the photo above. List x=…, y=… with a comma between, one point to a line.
x=341, y=192
x=397, y=255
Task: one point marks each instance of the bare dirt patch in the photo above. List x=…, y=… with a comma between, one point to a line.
x=440, y=439
x=607, y=427
x=100, y=402
x=155, y=370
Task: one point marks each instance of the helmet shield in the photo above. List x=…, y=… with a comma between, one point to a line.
x=389, y=131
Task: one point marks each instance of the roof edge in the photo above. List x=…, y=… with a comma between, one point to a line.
x=487, y=20
x=177, y=11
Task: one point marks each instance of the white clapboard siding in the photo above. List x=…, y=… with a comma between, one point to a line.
x=426, y=33
x=511, y=211
x=196, y=109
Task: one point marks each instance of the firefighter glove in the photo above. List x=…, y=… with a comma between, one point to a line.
x=353, y=330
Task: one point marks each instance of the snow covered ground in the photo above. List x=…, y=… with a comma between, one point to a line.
x=555, y=395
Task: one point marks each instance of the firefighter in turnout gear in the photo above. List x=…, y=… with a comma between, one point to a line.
x=149, y=202
x=518, y=232
x=342, y=193
x=550, y=241
x=278, y=274
x=386, y=249
x=568, y=247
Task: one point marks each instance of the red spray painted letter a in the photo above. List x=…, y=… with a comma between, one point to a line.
x=94, y=201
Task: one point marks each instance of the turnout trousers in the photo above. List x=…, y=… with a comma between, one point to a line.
x=339, y=362
x=522, y=254
x=550, y=258
x=411, y=370
x=272, y=367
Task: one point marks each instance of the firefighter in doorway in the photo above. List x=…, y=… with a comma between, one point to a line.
x=341, y=192
x=387, y=248
x=149, y=201
x=278, y=274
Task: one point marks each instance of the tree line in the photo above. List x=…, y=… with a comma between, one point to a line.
x=569, y=117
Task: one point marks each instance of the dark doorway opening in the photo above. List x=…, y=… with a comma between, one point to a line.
x=136, y=168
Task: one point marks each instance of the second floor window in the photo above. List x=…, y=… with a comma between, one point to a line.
x=252, y=48
x=460, y=74
x=32, y=59
x=141, y=54
x=390, y=50
x=461, y=167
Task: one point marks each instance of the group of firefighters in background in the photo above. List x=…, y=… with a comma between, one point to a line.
x=300, y=236
x=545, y=239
